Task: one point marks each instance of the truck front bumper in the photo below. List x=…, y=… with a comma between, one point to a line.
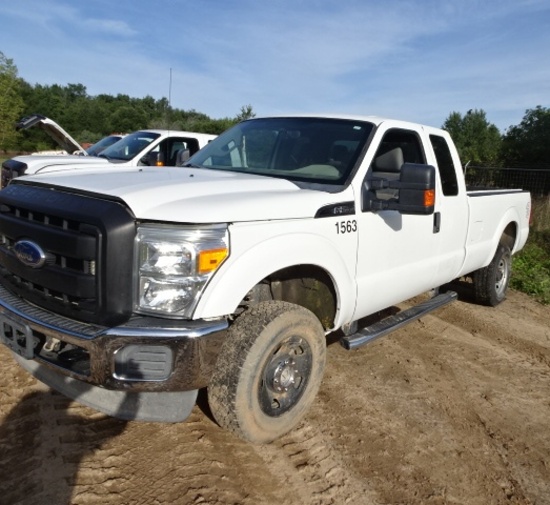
x=147, y=369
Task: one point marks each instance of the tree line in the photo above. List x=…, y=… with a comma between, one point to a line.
x=480, y=143
x=89, y=118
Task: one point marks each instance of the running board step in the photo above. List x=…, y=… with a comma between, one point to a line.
x=392, y=323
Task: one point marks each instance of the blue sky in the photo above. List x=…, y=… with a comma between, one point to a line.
x=417, y=60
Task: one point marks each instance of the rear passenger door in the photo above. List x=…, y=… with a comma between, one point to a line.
x=451, y=210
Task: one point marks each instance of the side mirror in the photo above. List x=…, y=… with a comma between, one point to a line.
x=415, y=191
x=153, y=159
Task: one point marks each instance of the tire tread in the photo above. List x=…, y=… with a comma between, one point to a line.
x=222, y=390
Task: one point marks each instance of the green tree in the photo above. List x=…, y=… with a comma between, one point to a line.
x=477, y=140
x=245, y=113
x=128, y=119
x=11, y=102
x=528, y=144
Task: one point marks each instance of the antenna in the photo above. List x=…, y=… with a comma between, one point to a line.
x=170, y=89
x=167, y=115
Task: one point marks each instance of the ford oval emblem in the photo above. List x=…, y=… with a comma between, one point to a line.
x=29, y=253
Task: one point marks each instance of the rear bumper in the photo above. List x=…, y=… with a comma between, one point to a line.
x=143, y=355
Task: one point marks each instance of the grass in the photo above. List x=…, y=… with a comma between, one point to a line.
x=531, y=267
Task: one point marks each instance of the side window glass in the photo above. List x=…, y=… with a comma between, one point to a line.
x=397, y=147
x=445, y=164
x=404, y=140
x=173, y=150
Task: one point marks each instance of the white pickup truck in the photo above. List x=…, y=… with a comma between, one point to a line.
x=131, y=290
x=141, y=148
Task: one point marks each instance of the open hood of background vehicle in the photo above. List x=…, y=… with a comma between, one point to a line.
x=53, y=130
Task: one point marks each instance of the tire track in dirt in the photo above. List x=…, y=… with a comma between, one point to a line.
x=56, y=451
x=461, y=418
x=453, y=409
x=309, y=465
x=15, y=433
x=191, y=462
x=405, y=432
x=528, y=339
x=507, y=385
x=422, y=414
x=44, y=441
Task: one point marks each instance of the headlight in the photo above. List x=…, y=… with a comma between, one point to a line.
x=173, y=266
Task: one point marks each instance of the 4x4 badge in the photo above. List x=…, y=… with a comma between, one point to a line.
x=29, y=253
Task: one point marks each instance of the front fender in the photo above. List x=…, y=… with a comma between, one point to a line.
x=249, y=264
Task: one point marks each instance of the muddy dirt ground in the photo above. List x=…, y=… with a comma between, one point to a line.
x=454, y=409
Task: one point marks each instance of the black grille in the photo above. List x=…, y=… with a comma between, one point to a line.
x=87, y=242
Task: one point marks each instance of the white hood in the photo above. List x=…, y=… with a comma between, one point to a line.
x=53, y=130
x=37, y=163
x=190, y=195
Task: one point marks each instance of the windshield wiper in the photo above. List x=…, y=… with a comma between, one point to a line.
x=191, y=165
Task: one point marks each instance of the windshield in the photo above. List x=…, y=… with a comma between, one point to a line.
x=311, y=150
x=130, y=146
x=100, y=146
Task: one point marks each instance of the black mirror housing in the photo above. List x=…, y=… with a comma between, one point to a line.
x=415, y=191
x=153, y=159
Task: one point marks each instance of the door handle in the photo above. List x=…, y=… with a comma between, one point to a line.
x=437, y=222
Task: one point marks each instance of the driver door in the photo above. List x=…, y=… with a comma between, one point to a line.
x=397, y=253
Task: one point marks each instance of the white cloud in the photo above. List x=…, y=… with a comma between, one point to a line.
x=112, y=26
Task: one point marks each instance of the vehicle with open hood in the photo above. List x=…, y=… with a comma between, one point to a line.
x=65, y=141
x=141, y=148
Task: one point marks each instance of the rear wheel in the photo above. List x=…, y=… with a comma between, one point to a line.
x=268, y=372
x=491, y=282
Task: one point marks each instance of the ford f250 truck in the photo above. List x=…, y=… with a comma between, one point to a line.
x=130, y=290
x=141, y=148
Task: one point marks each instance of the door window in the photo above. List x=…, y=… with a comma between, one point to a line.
x=445, y=164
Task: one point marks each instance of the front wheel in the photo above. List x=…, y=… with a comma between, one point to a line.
x=268, y=371
x=491, y=282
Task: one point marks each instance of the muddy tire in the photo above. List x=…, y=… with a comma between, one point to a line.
x=491, y=282
x=268, y=372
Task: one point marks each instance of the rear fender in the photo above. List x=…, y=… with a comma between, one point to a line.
x=485, y=250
